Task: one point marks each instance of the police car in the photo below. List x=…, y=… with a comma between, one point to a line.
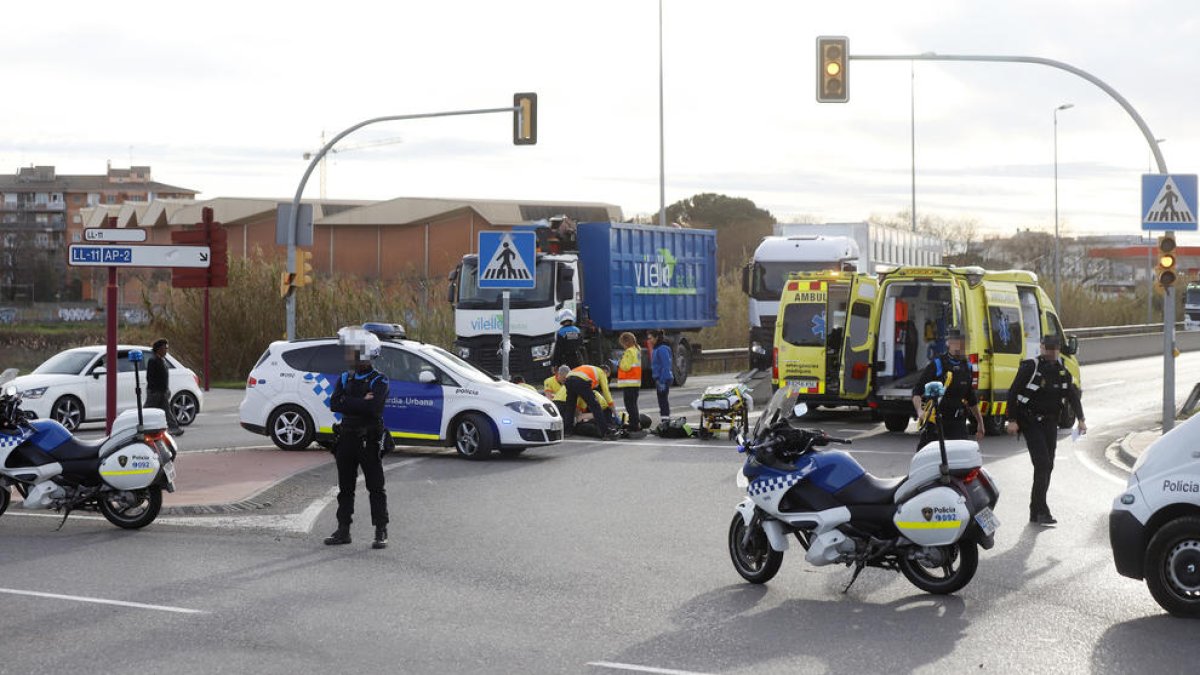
x=435, y=398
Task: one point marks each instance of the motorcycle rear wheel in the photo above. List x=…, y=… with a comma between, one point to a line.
x=959, y=562
x=132, y=517
x=757, y=562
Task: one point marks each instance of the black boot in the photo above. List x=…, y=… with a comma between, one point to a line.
x=380, y=537
x=339, y=537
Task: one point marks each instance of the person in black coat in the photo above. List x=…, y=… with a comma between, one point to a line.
x=960, y=399
x=1035, y=402
x=158, y=384
x=360, y=395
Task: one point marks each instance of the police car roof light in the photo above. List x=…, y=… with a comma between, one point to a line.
x=385, y=331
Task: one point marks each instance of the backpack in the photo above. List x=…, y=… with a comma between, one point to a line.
x=675, y=428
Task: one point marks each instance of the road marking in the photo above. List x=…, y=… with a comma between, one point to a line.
x=641, y=669
x=102, y=601
x=1093, y=387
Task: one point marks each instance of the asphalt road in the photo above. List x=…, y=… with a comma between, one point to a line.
x=590, y=557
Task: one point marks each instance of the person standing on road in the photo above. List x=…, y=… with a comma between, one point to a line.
x=568, y=341
x=959, y=400
x=660, y=369
x=554, y=383
x=629, y=378
x=158, y=384
x=580, y=384
x=360, y=395
x=1035, y=402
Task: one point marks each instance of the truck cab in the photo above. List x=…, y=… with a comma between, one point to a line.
x=1003, y=315
x=1191, y=306
x=822, y=340
x=764, y=278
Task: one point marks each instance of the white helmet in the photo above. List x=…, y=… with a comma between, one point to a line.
x=366, y=345
x=565, y=315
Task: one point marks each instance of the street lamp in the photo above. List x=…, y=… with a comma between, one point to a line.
x=1057, y=289
x=1150, y=250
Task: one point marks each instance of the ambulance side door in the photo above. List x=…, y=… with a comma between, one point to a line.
x=857, y=347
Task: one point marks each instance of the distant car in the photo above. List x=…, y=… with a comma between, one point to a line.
x=435, y=398
x=70, y=386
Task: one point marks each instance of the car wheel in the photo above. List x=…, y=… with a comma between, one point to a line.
x=291, y=428
x=185, y=407
x=474, y=437
x=1173, y=566
x=67, y=411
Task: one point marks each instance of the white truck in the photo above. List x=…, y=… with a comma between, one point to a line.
x=764, y=276
x=878, y=245
x=1191, y=306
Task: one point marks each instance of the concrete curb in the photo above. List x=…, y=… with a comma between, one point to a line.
x=1124, y=452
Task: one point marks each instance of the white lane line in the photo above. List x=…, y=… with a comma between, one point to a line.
x=641, y=669
x=1088, y=462
x=102, y=601
x=1093, y=387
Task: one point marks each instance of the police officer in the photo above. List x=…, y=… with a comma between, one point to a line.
x=1035, y=402
x=568, y=342
x=960, y=398
x=158, y=384
x=360, y=395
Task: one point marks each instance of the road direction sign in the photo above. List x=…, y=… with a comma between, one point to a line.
x=507, y=260
x=114, y=234
x=304, y=224
x=108, y=255
x=1169, y=202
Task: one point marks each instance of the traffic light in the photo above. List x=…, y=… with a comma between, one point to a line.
x=1166, y=273
x=525, y=119
x=286, y=284
x=833, y=75
x=304, y=268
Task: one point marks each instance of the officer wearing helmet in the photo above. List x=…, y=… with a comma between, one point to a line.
x=359, y=396
x=568, y=342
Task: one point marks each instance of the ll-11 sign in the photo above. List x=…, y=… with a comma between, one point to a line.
x=87, y=255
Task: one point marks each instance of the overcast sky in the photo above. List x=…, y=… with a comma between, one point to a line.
x=225, y=97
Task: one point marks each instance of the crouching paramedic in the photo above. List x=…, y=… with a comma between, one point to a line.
x=580, y=384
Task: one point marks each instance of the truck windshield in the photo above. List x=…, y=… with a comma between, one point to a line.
x=471, y=296
x=769, y=277
x=1193, y=296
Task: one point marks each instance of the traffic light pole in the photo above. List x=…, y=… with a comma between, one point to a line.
x=316, y=159
x=1168, y=404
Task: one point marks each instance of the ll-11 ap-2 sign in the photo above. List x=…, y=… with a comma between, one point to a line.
x=111, y=255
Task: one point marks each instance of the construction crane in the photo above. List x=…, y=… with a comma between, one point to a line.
x=346, y=148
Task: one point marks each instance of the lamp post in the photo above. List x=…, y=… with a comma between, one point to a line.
x=1057, y=288
x=1150, y=251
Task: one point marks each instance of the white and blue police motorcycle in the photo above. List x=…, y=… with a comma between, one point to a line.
x=121, y=476
x=927, y=525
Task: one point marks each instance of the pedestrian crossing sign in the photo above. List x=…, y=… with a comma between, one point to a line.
x=1169, y=202
x=506, y=260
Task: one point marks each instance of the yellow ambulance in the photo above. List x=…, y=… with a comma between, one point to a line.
x=823, y=343
x=1002, y=314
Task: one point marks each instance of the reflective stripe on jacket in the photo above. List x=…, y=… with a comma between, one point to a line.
x=629, y=370
x=596, y=377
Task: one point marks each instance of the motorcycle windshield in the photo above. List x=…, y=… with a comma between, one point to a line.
x=780, y=408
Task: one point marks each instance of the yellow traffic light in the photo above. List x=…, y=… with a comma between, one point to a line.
x=525, y=119
x=286, y=284
x=304, y=268
x=1166, y=273
x=833, y=57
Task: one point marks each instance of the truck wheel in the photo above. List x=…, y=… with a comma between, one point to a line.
x=1173, y=566
x=682, y=362
x=896, y=423
x=993, y=425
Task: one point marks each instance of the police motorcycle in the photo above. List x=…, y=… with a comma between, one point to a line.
x=121, y=476
x=928, y=525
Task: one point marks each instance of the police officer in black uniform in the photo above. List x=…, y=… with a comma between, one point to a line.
x=960, y=399
x=158, y=384
x=360, y=395
x=1040, y=390
x=568, y=342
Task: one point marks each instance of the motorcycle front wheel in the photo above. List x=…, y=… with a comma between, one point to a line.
x=756, y=561
x=942, y=569
x=131, y=510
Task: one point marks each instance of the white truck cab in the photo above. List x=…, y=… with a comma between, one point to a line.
x=1154, y=526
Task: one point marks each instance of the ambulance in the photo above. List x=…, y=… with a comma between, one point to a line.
x=823, y=342
x=1003, y=315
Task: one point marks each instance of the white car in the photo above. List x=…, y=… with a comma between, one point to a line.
x=70, y=386
x=435, y=398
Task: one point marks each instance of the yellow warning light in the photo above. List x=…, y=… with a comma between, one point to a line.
x=832, y=69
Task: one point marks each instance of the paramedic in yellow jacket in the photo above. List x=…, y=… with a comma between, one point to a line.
x=629, y=378
x=554, y=384
x=581, y=407
x=580, y=384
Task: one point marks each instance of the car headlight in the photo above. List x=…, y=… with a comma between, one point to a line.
x=34, y=393
x=540, y=352
x=525, y=408
x=464, y=352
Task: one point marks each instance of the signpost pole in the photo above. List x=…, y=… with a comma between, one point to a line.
x=206, y=217
x=505, y=345
x=110, y=337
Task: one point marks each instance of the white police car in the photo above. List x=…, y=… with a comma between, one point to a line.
x=435, y=398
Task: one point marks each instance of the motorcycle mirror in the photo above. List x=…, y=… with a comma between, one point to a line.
x=10, y=391
x=800, y=410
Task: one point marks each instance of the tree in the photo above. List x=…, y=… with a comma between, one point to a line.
x=739, y=223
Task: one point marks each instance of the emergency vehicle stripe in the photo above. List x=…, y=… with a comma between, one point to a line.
x=942, y=525
x=130, y=472
x=395, y=434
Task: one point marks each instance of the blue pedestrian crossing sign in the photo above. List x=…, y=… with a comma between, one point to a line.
x=507, y=260
x=1169, y=202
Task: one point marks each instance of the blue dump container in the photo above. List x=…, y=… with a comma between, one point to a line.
x=640, y=277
